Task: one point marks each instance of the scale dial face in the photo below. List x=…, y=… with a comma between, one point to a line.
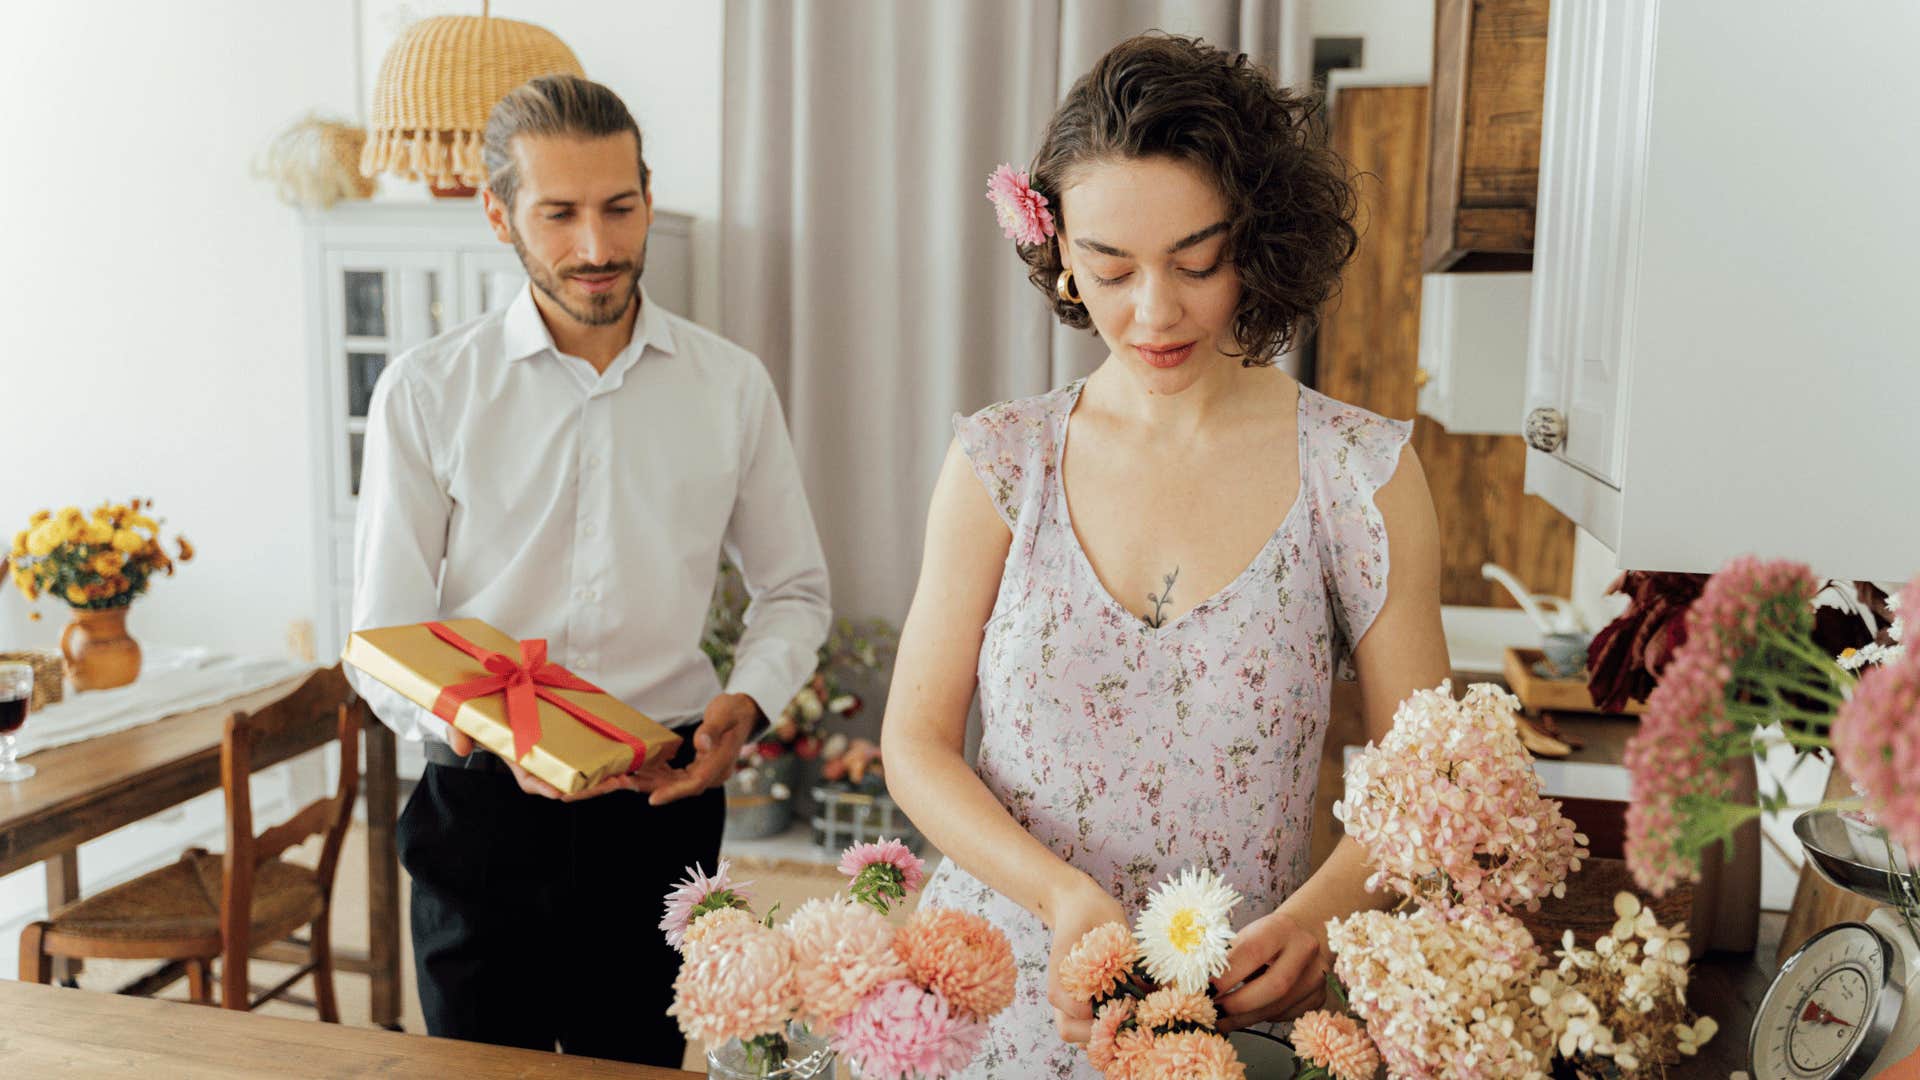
x=1823, y=1015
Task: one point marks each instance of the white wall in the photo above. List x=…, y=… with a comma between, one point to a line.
x=152, y=323
x=152, y=336
x=1398, y=33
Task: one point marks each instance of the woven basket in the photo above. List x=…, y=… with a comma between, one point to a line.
x=438, y=84
x=49, y=673
x=316, y=163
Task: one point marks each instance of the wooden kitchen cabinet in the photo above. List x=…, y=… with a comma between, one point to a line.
x=1721, y=351
x=1489, y=70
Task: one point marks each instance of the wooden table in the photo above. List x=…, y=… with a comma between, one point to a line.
x=54, y=1031
x=90, y=788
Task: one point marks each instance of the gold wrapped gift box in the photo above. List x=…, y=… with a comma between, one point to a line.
x=569, y=754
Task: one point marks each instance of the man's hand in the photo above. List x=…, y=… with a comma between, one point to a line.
x=723, y=730
x=647, y=778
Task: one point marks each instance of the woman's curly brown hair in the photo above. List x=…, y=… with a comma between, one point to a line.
x=1292, y=206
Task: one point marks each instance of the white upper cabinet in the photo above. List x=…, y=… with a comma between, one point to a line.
x=1721, y=353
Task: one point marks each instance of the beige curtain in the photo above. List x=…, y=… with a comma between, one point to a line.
x=860, y=258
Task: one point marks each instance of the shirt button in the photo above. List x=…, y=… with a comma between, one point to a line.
x=591, y=529
x=593, y=461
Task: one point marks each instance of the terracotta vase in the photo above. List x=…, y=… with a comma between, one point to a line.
x=98, y=651
x=457, y=190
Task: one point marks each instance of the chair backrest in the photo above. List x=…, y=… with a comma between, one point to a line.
x=324, y=702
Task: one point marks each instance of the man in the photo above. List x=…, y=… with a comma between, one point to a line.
x=572, y=468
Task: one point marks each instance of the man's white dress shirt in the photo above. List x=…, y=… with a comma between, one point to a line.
x=506, y=481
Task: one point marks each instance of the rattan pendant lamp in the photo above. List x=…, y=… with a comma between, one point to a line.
x=437, y=85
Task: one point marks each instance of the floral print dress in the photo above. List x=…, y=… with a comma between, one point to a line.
x=1134, y=751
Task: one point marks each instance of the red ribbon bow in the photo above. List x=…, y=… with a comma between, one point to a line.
x=526, y=682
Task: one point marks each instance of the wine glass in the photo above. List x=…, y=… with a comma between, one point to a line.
x=16, y=690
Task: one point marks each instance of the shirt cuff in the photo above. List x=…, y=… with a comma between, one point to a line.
x=765, y=686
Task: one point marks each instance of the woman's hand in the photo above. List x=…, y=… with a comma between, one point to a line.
x=1071, y=913
x=1276, y=970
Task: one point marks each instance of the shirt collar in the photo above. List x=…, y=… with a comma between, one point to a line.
x=524, y=333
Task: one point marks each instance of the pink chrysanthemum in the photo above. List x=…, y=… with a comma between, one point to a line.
x=841, y=951
x=1099, y=962
x=1022, y=211
x=719, y=926
x=882, y=872
x=1674, y=767
x=696, y=895
x=736, y=987
x=899, y=1031
x=1193, y=1055
x=1876, y=737
x=1167, y=1007
x=960, y=954
x=1336, y=1043
x=1102, y=1045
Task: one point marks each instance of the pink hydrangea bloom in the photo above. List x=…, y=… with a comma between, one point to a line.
x=900, y=1032
x=736, y=986
x=697, y=894
x=1449, y=808
x=1022, y=211
x=841, y=951
x=1437, y=987
x=1676, y=775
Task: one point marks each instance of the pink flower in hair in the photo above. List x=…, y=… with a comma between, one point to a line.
x=1022, y=211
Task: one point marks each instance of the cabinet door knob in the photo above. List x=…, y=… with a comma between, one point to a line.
x=1546, y=429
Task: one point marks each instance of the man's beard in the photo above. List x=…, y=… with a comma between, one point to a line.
x=603, y=310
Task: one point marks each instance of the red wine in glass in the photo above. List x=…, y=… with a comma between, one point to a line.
x=13, y=711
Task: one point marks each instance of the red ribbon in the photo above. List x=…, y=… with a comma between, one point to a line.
x=526, y=683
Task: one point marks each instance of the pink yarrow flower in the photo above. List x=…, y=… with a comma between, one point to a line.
x=696, y=895
x=883, y=872
x=1877, y=737
x=1673, y=764
x=1022, y=211
x=900, y=1032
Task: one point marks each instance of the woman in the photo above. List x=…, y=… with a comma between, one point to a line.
x=1153, y=608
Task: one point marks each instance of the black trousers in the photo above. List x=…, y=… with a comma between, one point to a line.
x=535, y=922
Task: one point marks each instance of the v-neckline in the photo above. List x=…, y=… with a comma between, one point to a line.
x=1226, y=591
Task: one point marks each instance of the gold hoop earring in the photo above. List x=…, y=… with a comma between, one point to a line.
x=1063, y=287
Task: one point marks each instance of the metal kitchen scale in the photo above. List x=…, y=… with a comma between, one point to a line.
x=1847, y=1003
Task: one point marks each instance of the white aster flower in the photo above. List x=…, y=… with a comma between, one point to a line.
x=1184, y=933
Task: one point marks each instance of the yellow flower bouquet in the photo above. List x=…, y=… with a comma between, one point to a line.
x=92, y=561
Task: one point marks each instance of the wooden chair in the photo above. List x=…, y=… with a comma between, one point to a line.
x=226, y=906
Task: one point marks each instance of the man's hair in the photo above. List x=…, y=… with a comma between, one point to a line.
x=552, y=105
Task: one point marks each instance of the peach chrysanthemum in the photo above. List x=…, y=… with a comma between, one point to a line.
x=841, y=950
x=960, y=954
x=716, y=926
x=1131, y=1050
x=1336, y=1043
x=1099, y=962
x=1101, y=1044
x=1193, y=1055
x=735, y=986
x=1169, y=1006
